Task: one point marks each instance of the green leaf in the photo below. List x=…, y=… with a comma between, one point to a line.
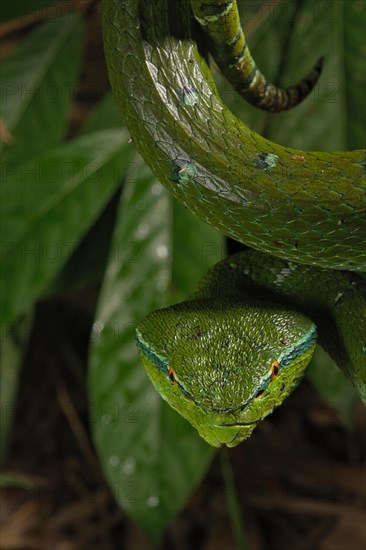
x=14, y=341
x=12, y=9
x=353, y=84
x=105, y=115
x=37, y=85
x=87, y=264
x=332, y=117
x=151, y=456
x=334, y=387
x=286, y=38
x=48, y=205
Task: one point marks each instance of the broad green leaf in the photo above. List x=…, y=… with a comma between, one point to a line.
x=334, y=387
x=87, y=264
x=37, y=86
x=352, y=33
x=151, y=456
x=14, y=9
x=105, y=115
x=286, y=38
x=332, y=117
x=14, y=341
x=48, y=205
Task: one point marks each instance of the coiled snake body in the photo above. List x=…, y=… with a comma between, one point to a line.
x=224, y=359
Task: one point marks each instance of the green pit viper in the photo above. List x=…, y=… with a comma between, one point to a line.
x=232, y=352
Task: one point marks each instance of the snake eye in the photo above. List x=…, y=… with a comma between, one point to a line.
x=275, y=369
x=171, y=375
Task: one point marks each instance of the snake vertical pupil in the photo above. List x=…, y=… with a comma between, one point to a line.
x=171, y=375
x=275, y=368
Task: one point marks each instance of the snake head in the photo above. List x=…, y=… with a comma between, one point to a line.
x=223, y=365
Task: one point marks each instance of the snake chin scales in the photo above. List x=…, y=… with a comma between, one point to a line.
x=250, y=370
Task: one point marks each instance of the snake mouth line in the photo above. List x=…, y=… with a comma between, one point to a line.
x=237, y=424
